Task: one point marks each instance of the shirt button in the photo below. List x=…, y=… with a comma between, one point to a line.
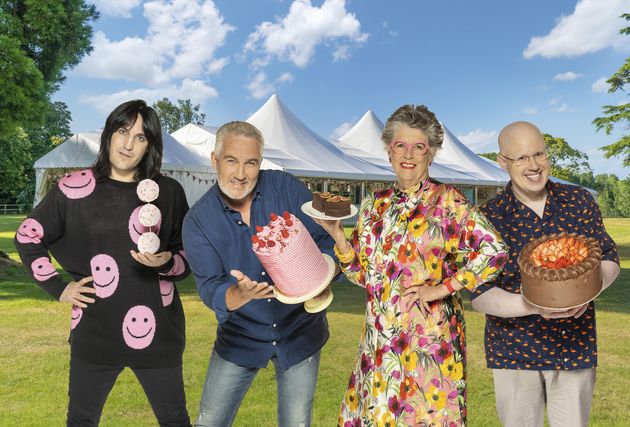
x=274, y=343
x=563, y=332
x=268, y=299
x=565, y=359
x=263, y=273
x=274, y=325
x=239, y=222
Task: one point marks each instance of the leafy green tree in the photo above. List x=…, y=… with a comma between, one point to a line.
x=568, y=163
x=491, y=156
x=14, y=162
x=55, y=34
x=617, y=114
x=175, y=116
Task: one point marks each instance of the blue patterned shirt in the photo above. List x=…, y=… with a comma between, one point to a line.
x=532, y=342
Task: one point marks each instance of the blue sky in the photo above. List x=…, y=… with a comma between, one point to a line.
x=478, y=65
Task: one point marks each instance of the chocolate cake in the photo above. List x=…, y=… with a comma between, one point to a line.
x=337, y=206
x=318, y=200
x=560, y=271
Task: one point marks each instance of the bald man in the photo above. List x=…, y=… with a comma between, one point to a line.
x=539, y=357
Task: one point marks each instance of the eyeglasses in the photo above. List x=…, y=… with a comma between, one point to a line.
x=417, y=148
x=523, y=161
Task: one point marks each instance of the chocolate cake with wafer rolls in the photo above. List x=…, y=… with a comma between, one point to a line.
x=561, y=271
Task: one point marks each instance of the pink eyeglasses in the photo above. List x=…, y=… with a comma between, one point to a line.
x=417, y=148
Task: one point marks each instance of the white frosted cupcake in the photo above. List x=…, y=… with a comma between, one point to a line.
x=149, y=215
x=149, y=242
x=148, y=190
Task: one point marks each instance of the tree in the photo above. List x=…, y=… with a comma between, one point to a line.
x=55, y=34
x=174, y=117
x=491, y=156
x=567, y=162
x=617, y=114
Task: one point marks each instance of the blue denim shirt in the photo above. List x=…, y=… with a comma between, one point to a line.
x=217, y=240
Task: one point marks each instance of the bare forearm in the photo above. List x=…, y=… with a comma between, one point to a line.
x=498, y=302
x=610, y=271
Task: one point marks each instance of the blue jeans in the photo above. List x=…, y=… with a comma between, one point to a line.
x=227, y=383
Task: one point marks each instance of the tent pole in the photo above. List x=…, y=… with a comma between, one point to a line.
x=476, y=195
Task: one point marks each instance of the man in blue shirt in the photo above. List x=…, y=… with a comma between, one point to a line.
x=539, y=357
x=254, y=327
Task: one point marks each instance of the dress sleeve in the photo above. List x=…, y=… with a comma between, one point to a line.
x=482, y=248
x=44, y=225
x=177, y=268
x=355, y=270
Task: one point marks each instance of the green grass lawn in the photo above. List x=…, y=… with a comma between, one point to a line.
x=34, y=354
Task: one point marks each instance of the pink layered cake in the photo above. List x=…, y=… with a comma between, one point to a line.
x=289, y=254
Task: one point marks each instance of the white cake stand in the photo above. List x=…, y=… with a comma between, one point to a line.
x=311, y=304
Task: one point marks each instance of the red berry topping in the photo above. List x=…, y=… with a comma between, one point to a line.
x=259, y=229
x=255, y=239
x=273, y=216
x=288, y=222
x=285, y=234
x=286, y=215
x=271, y=243
x=261, y=244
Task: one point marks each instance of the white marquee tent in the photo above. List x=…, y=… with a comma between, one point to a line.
x=79, y=151
x=304, y=153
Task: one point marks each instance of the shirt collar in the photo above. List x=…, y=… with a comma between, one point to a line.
x=555, y=193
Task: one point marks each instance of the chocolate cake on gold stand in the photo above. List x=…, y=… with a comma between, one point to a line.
x=560, y=271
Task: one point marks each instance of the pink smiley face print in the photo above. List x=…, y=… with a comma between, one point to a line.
x=30, y=231
x=167, y=290
x=43, y=269
x=105, y=275
x=139, y=327
x=78, y=184
x=136, y=228
x=77, y=314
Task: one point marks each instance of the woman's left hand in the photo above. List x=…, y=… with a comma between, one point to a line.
x=152, y=260
x=421, y=295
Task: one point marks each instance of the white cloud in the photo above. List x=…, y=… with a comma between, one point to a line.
x=259, y=87
x=531, y=111
x=593, y=25
x=121, y=8
x=478, y=138
x=340, y=131
x=180, y=43
x=295, y=37
x=562, y=108
x=390, y=31
x=554, y=101
x=568, y=76
x=600, y=85
x=195, y=90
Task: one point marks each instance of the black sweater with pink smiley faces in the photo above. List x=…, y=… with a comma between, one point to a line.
x=89, y=227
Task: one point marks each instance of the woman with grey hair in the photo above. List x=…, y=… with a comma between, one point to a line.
x=410, y=368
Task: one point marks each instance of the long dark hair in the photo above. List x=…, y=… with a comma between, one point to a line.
x=125, y=115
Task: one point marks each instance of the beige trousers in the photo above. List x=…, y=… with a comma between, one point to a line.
x=521, y=397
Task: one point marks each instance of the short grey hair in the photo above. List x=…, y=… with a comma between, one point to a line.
x=238, y=128
x=416, y=117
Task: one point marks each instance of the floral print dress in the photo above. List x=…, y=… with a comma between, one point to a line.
x=411, y=370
